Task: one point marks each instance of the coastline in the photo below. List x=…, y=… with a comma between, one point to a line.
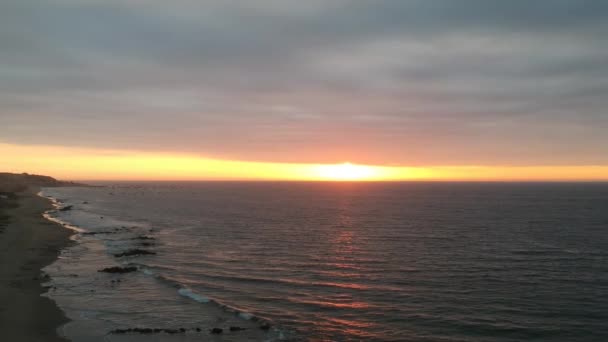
x=28, y=243
x=141, y=304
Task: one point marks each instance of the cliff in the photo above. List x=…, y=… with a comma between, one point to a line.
x=15, y=182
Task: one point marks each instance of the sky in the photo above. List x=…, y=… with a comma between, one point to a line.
x=495, y=89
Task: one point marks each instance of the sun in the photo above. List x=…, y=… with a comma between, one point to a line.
x=345, y=172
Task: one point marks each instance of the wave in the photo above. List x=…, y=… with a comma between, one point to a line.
x=48, y=214
x=185, y=291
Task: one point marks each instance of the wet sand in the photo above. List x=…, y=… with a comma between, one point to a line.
x=28, y=242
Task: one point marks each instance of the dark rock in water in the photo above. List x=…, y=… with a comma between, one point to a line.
x=147, y=244
x=117, y=269
x=66, y=208
x=265, y=326
x=134, y=252
x=143, y=237
x=236, y=328
x=146, y=331
x=121, y=331
x=217, y=330
x=198, y=329
x=85, y=202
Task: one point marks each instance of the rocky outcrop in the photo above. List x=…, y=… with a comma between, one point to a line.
x=134, y=252
x=119, y=270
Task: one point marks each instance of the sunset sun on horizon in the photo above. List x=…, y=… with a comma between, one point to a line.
x=347, y=171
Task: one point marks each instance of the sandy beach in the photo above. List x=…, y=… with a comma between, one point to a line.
x=28, y=242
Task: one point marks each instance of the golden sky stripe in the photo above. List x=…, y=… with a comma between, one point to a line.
x=96, y=164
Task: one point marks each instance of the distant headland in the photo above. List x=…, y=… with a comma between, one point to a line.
x=16, y=182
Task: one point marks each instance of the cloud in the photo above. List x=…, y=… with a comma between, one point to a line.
x=384, y=82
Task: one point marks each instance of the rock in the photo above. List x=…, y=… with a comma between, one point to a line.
x=198, y=329
x=120, y=331
x=66, y=208
x=134, y=252
x=236, y=328
x=148, y=331
x=117, y=269
x=143, y=237
x=217, y=330
x=265, y=326
x=85, y=202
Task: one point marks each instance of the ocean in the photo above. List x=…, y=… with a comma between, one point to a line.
x=334, y=261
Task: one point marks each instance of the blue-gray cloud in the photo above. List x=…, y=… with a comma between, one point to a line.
x=401, y=82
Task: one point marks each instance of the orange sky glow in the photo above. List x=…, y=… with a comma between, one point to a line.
x=97, y=164
x=304, y=90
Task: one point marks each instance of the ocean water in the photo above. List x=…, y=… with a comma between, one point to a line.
x=336, y=261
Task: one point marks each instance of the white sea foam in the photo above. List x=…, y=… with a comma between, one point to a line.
x=194, y=296
x=51, y=215
x=245, y=315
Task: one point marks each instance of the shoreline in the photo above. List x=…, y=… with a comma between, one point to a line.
x=128, y=296
x=28, y=243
